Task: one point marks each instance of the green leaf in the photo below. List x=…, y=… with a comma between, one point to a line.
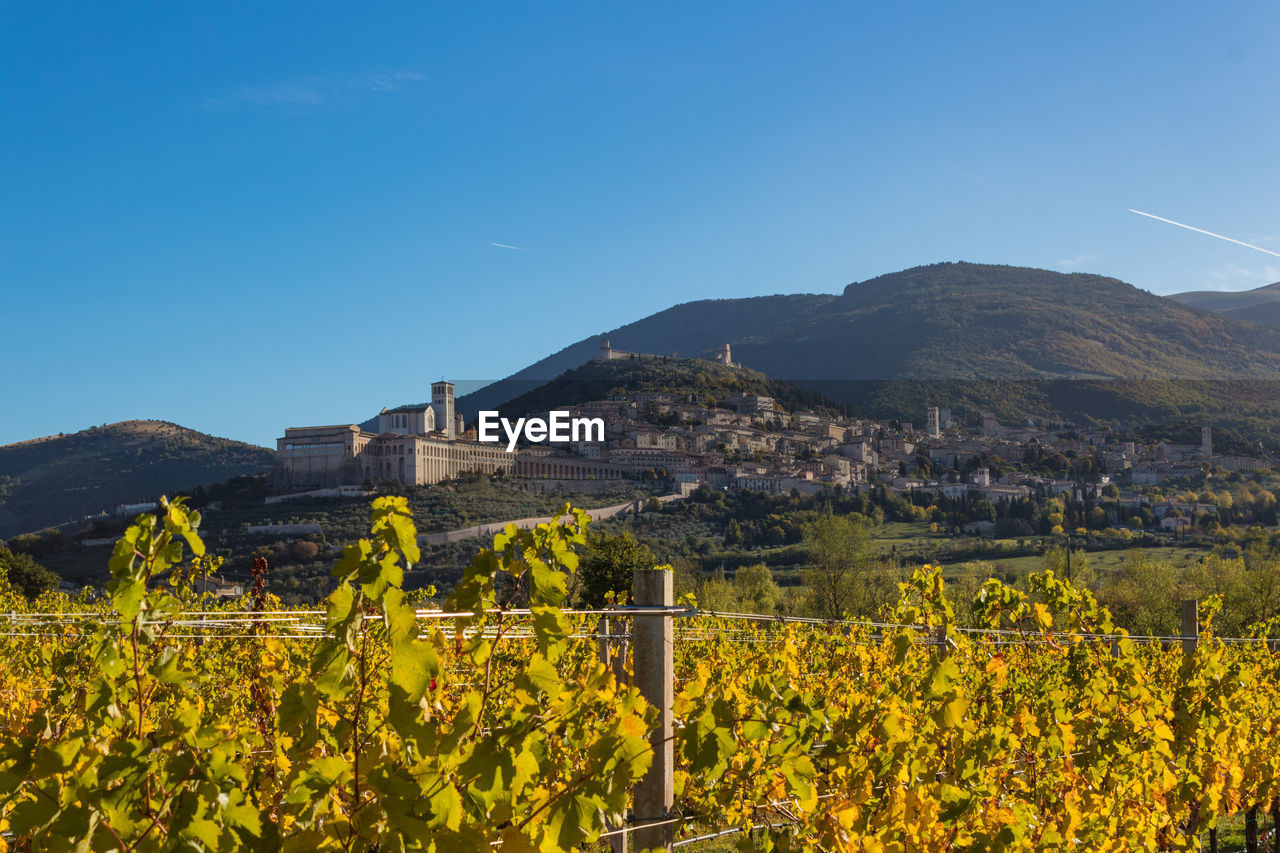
x=951, y=714
x=126, y=596
x=446, y=807
x=541, y=675
x=165, y=668
x=331, y=666
x=203, y=830
x=340, y=607
x=31, y=814
x=56, y=757
x=406, y=536
x=238, y=814
x=552, y=628
x=902, y=642
x=413, y=665
x=945, y=673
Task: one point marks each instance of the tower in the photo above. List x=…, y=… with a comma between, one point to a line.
x=1206, y=441
x=935, y=422
x=442, y=403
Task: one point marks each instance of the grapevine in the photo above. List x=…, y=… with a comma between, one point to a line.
x=154, y=721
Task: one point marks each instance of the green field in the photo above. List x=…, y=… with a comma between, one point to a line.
x=1110, y=560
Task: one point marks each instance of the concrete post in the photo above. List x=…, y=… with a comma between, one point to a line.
x=654, y=675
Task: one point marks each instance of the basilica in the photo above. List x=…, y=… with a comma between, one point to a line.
x=416, y=444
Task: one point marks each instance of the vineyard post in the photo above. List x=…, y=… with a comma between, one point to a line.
x=1190, y=639
x=653, y=646
x=604, y=643
x=1190, y=626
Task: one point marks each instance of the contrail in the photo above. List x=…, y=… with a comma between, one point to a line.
x=1202, y=231
x=519, y=249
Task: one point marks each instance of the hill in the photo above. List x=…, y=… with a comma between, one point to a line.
x=1260, y=305
x=302, y=537
x=697, y=380
x=60, y=478
x=691, y=329
x=1012, y=340
x=1229, y=300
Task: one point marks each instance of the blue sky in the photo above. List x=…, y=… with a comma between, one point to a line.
x=240, y=217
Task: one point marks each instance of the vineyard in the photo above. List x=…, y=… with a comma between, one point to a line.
x=507, y=721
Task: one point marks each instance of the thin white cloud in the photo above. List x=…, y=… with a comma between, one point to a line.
x=318, y=90
x=505, y=246
x=1236, y=277
x=1078, y=260
x=1202, y=231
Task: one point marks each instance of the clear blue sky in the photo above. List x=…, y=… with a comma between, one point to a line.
x=244, y=217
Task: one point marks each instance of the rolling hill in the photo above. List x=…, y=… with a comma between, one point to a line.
x=60, y=478
x=1260, y=305
x=697, y=380
x=1015, y=340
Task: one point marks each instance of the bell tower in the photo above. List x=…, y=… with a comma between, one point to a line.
x=442, y=403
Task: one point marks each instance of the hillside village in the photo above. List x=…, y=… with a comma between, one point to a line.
x=750, y=442
x=681, y=427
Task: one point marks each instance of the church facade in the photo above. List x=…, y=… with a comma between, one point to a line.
x=416, y=444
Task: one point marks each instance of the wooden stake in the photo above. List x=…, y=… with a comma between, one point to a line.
x=653, y=641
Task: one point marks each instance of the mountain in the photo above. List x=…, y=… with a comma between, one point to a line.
x=1260, y=305
x=691, y=329
x=1015, y=340
x=60, y=478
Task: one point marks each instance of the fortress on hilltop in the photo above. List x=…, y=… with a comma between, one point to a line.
x=416, y=444
x=608, y=353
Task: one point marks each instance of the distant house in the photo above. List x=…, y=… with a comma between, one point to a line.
x=753, y=404
x=218, y=587
x=135, y=509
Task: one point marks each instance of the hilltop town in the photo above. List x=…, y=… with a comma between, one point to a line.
x=687, y=437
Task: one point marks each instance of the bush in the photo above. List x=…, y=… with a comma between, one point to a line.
x=24, y=574
x=305, y=551
x=43, y=544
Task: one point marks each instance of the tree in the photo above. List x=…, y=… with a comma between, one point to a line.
x=983, y=510
x=756, y=589
x=1143, y=596
x=42, y=544
x=305, y=551
x=732, y=533
x=836, y=546
x=24, y=574
x=608, y=565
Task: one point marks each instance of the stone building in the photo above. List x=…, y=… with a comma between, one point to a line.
x=933, y=415
x=416, y=444
x=724, y=357
x=608, y=353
